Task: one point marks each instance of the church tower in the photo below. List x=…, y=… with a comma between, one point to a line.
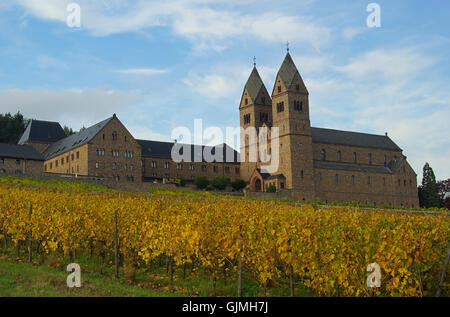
x=290, y=110
x=255, y=109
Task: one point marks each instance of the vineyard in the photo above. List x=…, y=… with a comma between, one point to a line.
x=327, y=250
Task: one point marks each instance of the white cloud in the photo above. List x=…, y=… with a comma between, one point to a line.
x=350, y=32
x=387, y=64
x=144, y=133
x=75, y=107
x=201, y=22
x=143, y=71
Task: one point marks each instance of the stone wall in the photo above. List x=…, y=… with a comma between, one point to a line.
x=20, y=167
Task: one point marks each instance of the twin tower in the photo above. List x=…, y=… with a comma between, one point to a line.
x=288, y=109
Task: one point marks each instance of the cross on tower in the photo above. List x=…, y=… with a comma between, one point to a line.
x=287, y=46
x=254, y=61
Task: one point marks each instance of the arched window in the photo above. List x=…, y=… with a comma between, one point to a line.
x=323, y=154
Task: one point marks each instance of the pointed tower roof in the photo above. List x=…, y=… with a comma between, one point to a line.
x=39, y=131
x=254, y=84
x=288, y=70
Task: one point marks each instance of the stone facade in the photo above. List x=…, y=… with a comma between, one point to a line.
x=355, y=167
x=165, y=168
x=111, y=154
x=20, y=167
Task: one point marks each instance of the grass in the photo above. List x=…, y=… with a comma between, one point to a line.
x=46, y=277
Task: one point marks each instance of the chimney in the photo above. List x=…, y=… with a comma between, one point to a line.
x=386, y=134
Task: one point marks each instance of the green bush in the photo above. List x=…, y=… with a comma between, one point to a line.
x=219, y=183
x=238, y=184
x=201, y=182
x=271, y=189
x=181, y=182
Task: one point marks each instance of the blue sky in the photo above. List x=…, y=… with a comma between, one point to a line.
x=161, y=64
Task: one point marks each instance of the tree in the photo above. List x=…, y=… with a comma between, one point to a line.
x=219, y=183
x=429, y=193
x=11, y=127
x=238, y=184
x=68, y=131
x=444, y=193
x=201, y=182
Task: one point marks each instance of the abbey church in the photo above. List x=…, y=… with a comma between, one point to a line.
x=314, y=163
x=317, y=163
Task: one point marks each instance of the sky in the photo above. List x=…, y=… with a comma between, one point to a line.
x=161, y=64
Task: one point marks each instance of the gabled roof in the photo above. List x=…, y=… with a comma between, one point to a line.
x=25, y=152
x=287, y=71
x=321, y=135
x=352, y=167
x=254, y=84
x=157, y=149
x=75, y=140
x=39, y=131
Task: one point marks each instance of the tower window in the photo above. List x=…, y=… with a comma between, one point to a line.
x=279, y=89
x=280, y=107
x=247, y=119
x=323, y=154
x=246, y=101
x=298, y=105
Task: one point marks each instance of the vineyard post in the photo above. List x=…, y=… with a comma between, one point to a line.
x=291, y=271
x=116, y=246
x=240, y=263
x=30, y=237
x=444, y=271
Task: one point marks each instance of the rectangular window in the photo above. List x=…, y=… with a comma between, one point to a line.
x=370, y=158
x=154, y=164
x=354, y=157
x=96, y=165
x=203, y=168
x=353, y=179
x=2, y=161
x=247, y=119
x=78, y=155
x=384, y=181
x=191, y=167
x=336, y=178
x=62, y=161
x=237, y=171
x=216, y=169
x=279, y=89
x=368, y=180
x=72, y=157
x=166, y=165
x=56, y=163
x=179, y=166
x=280, y=107
x=227, y=170
x=17, y=162
x=385, y=160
